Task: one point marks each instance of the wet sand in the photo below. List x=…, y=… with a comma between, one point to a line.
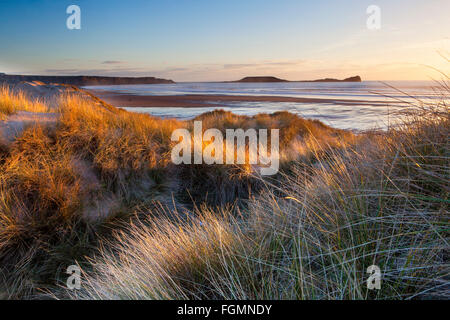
x=206, y=100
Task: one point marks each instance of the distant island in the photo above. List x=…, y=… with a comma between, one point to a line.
x=350, y=79
x=275, y=79
x=83, y=80
x=261, y=79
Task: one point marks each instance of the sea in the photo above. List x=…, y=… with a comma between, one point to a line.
x=377, y=105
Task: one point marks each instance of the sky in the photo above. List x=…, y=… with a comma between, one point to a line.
x=214, y=40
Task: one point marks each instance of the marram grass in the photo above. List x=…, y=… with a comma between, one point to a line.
x=98, y=190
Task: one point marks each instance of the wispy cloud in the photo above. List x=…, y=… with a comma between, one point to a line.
x=62, y=71
x=262, y=64
x=113, y=62
x=96, y=71
x=238, y=65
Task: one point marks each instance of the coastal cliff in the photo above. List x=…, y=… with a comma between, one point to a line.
x=83, y=80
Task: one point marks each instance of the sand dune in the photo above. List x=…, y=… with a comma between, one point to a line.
x=16, y=123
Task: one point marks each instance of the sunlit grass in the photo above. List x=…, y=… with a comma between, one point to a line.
x=99, y=189
x=383, y=201
x=11, y=102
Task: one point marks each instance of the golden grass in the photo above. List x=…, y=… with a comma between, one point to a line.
x=82, y=192
x=11, y=102
x=384, y=202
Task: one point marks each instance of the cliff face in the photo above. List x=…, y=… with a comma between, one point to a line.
x=353, y=79
x=83, y=80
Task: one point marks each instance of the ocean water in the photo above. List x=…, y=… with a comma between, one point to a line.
x=377, y=105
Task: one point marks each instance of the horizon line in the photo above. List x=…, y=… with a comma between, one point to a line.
x=204, y=81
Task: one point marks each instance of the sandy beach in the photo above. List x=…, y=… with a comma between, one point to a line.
x=205, y=100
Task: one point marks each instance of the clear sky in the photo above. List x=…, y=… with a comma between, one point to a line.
x=195, y=40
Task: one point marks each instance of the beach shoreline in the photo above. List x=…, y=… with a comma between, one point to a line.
x=207, y=100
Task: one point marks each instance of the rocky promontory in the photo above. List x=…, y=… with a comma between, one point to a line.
x=350, y=79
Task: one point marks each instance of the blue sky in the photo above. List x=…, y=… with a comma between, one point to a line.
x=224, y=40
